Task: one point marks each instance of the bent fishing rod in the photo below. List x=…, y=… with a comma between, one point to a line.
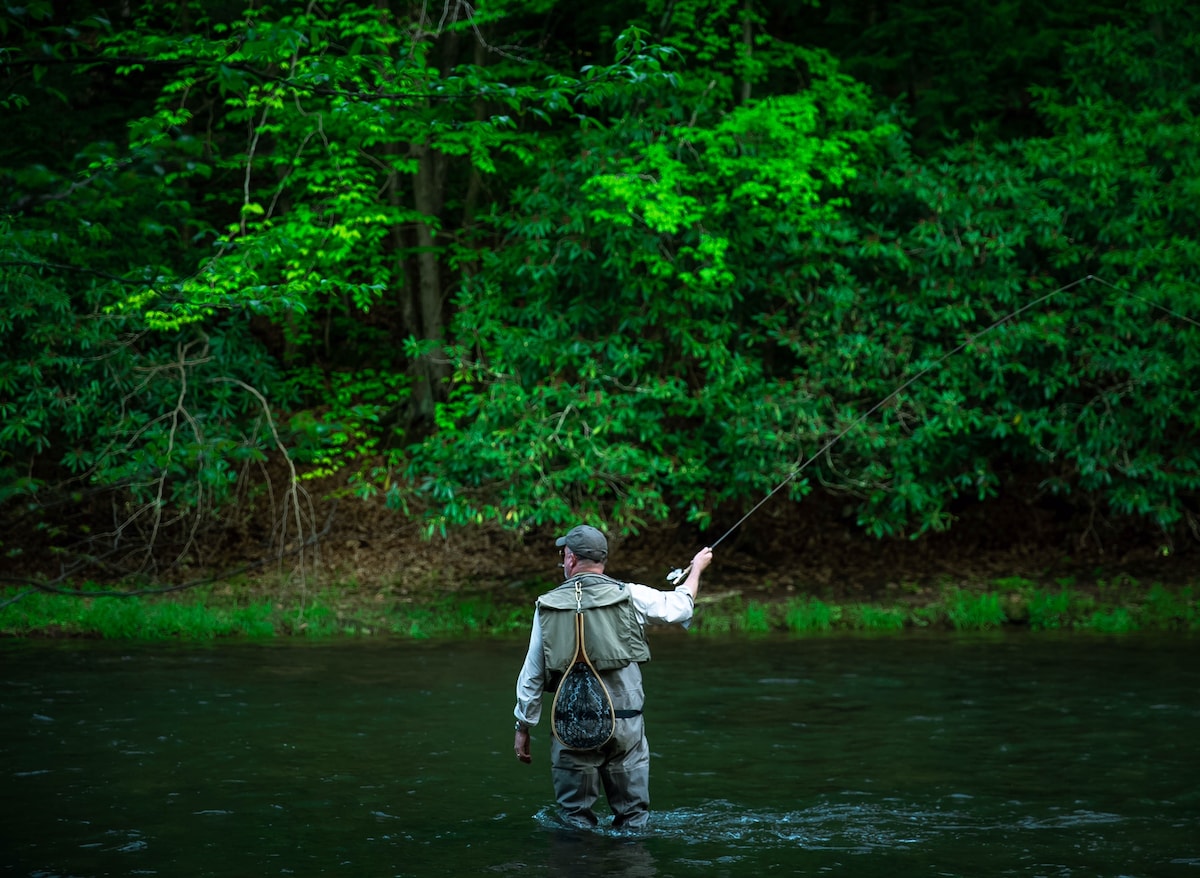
x=678, y=574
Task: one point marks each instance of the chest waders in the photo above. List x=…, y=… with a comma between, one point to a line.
x=583, y=715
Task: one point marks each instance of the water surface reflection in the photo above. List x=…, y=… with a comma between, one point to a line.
x=909, y=755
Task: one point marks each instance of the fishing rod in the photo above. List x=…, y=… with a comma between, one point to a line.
x=678, y=574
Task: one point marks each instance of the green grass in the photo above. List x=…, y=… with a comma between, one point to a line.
x=207, y=616
x=756, y=618
x=1048, y=610
x=968, y=611
x=1115, y=607
x=868, y=617
x=470, y=616
x=1164, y=609
x=1113, y=620
x=809, y=616
x=132, y=618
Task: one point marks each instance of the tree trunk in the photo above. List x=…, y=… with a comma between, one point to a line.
x=427, y=197
x=429, y=182
x=748, y=45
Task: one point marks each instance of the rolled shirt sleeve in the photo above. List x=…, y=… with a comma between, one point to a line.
x=663, y=607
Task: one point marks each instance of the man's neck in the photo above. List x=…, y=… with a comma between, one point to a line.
x=586, y=568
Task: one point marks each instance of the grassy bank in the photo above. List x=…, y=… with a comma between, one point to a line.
x=1118, y=607
x=206, y=615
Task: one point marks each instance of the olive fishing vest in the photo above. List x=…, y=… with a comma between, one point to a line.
x=613, y=637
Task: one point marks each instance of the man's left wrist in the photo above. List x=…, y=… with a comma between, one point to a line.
x=521, y=726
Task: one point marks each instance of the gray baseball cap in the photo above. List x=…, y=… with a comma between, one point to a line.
x=586, y=542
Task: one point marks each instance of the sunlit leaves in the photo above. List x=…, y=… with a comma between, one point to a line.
x=675, y=268
x=613, y=365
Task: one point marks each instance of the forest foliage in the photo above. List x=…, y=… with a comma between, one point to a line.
x=520, y=263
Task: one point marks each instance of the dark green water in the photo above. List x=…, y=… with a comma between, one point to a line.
x=932, y=756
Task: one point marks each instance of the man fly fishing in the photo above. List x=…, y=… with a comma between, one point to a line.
x=585, y=650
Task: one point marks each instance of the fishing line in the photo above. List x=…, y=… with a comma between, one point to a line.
x=678, y=574
x=1162, y=308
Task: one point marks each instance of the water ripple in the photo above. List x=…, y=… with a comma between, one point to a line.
x=855, y=828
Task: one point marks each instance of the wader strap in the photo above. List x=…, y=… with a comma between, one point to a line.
x=626, y=714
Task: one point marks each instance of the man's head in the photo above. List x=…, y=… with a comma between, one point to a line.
x=586, y=543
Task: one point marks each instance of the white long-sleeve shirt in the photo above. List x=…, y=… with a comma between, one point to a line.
x=652, y=606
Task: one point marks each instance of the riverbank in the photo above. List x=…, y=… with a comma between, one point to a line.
x=800, y=569
x=248, y=611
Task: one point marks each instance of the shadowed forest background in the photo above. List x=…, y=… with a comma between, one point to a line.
x=388, y=293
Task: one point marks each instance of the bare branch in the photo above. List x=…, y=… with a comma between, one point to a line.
x=295, y=496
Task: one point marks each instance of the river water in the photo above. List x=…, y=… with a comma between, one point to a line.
x=935, y=755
